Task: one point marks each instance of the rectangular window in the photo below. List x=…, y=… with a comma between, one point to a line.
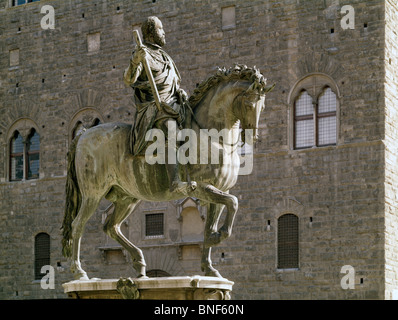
x=154, y=224
x=228, y=17
x=288, y=242
x=93, y=42
x=14, y=57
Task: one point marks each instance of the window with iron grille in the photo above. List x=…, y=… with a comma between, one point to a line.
x=288, y=242
x=315, y=122
x=154, y=224
x=42, y=253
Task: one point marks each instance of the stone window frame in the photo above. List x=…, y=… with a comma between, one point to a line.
x=24, y=127
x=314, y=84
x=150, y=239
x=148, y=227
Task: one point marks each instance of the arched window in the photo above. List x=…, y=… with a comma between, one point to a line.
x=288, y=241
x=24, y=156
x=42, y=253
x=16, y=157
x=33, y=155
x=314, y=100
x=83, y=120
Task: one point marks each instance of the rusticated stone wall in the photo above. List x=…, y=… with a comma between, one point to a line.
x=391, y=160
x=343, y=195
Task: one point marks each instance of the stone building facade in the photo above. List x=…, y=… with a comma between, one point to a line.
x=322, y=195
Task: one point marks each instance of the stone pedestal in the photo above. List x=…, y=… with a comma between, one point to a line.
x=167, y=288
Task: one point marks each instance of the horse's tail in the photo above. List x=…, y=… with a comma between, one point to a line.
x=73, y=200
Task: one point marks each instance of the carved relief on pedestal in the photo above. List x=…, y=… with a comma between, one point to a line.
x=127, y=288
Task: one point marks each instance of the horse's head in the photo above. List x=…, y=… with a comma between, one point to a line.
x=249, y=104
x=239, y=90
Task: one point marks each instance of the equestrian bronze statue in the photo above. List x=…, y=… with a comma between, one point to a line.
x=112, y=161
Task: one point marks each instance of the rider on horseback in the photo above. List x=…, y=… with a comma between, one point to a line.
x=172, y=97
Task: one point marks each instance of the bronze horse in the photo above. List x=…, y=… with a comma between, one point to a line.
x=100, y=165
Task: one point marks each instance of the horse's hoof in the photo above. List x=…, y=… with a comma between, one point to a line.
x=213, y=273
x=209, y=270
x=82, y=277
x=140, y=268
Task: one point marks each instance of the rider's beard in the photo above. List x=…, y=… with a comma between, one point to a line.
x=158, y=39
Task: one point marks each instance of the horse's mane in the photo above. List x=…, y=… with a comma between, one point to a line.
x=237, y=72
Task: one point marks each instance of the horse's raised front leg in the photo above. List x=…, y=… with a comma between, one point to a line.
x=123, y=208
x=216, y=196
x=87, y=208
x=218, y=199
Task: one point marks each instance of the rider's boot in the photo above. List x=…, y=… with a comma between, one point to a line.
x=176, y=185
